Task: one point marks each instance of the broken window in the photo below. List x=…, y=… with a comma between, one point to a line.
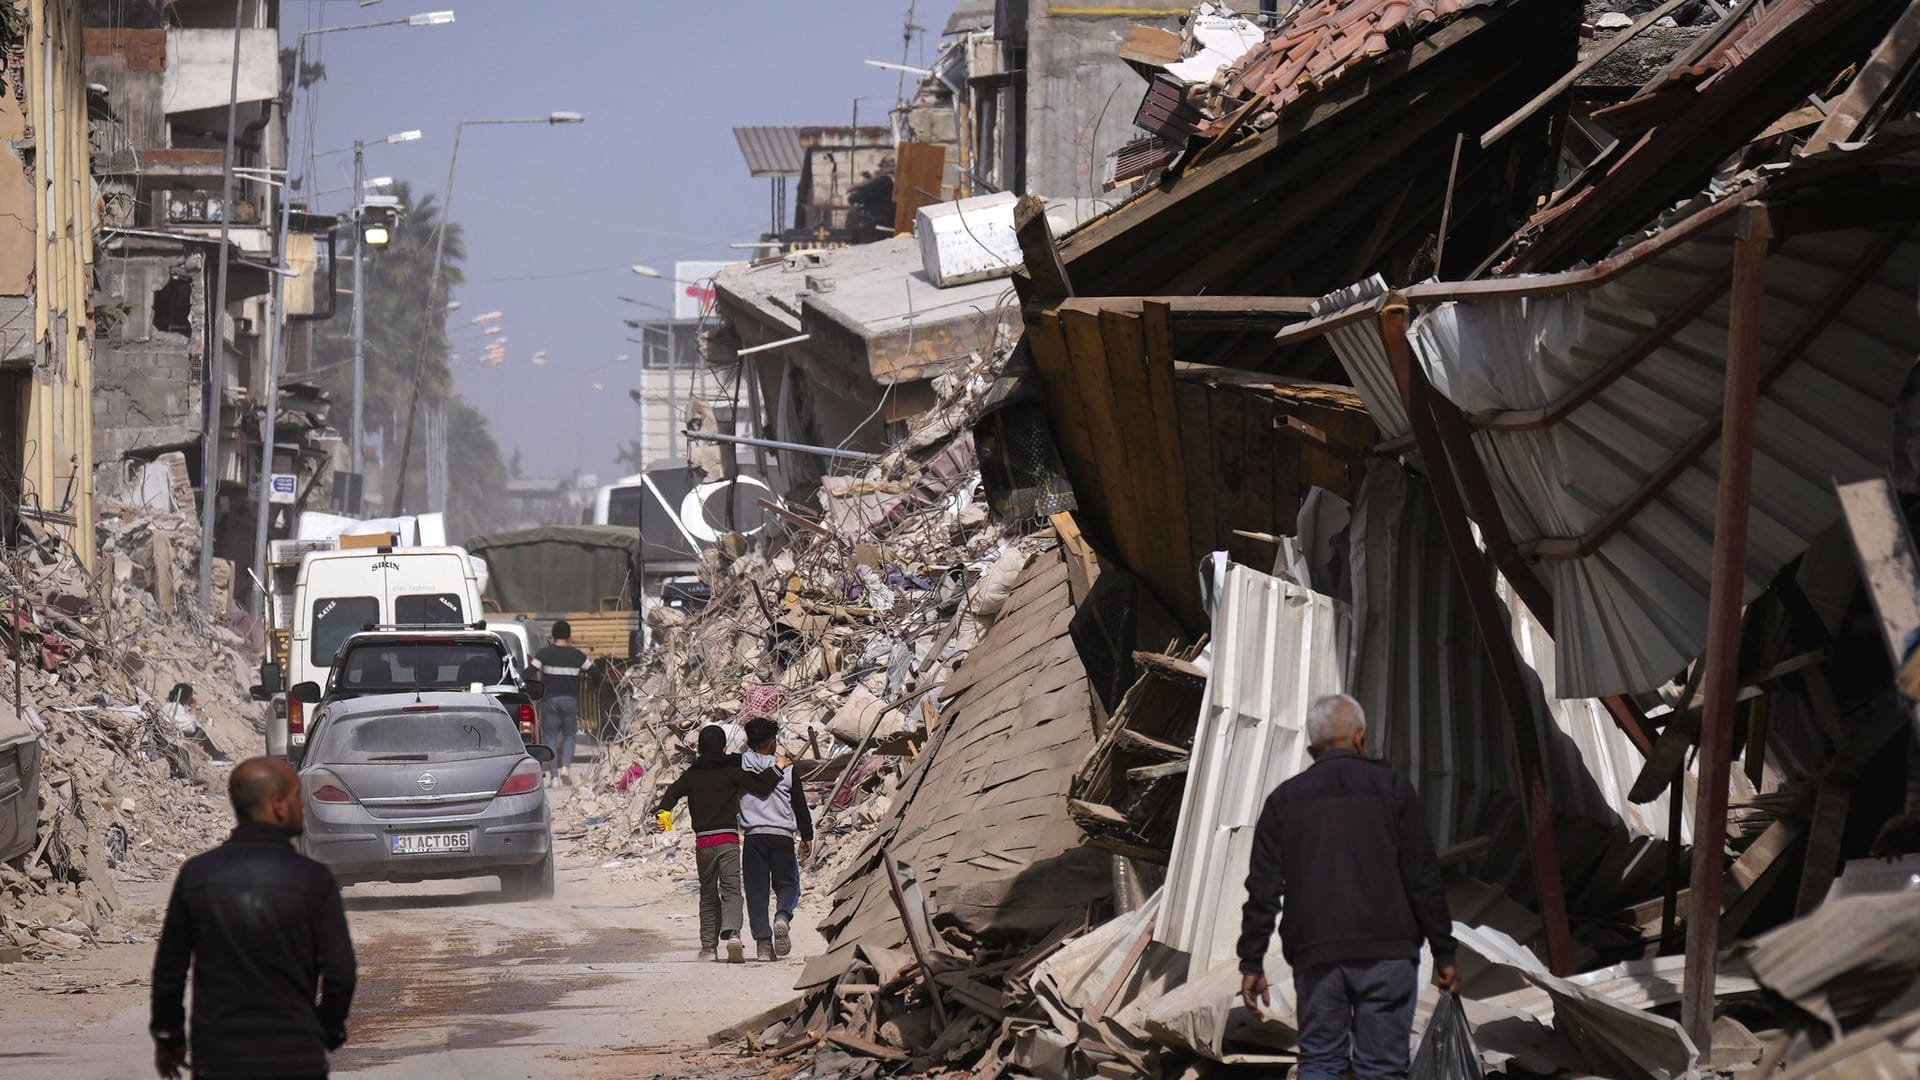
x=173, y=306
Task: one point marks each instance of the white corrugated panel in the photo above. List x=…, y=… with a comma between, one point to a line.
x=1276, y=647
x=1630, y=616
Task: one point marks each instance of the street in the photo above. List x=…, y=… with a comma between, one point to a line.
x=600, y=981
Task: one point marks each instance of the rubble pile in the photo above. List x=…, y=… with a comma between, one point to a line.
x=128, y=772
x=844, y=632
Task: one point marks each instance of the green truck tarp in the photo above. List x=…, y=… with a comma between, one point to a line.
x=558, y=568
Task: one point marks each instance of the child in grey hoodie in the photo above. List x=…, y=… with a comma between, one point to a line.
x=772, y=824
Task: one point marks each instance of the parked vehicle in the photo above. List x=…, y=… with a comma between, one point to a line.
x=409, y=661
x=523, y=637
x=338, y=593
x=20, y=756
x=411, y=787
x=581, y=573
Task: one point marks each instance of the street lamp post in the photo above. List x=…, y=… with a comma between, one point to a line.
x=277, y=349
x=436, y=308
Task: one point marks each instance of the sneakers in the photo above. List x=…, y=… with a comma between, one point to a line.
x=782, y=936
x=566, y=776
x=763, y=950
x=736, y=950
x=707, y=954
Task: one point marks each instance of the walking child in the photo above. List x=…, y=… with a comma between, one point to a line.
x=712, y=786
x=772, y=825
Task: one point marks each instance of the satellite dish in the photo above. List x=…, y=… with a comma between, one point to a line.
x=704, y=511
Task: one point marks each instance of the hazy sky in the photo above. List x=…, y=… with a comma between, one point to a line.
x=555, y=215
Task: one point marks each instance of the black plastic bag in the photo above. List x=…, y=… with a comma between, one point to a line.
x=1446, y=1047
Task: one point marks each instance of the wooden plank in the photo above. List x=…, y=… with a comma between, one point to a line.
x=1098, y=1010
x=1889, y=566
x=847, y=1040
x=1561, y=85
x=918, y=180
x=1045, y=272
x=1144, y=773
x=1848, y=110
x=1147, y=742
x=1194, y=404
x=755, y=1024
x=1086, y=352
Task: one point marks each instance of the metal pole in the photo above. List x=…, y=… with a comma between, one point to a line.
x=435, y=309
x=358, y=433
x=1721, y=680
x=775, y=444
x=216, y=360
x=673, y=362
x=269, y=422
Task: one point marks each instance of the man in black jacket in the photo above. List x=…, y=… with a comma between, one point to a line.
x=263, y=928
x=1348, y=845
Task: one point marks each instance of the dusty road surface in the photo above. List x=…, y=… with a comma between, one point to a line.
x=600, y=981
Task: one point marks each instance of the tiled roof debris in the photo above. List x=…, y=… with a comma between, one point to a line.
x=771, y=151
x=1324, y=42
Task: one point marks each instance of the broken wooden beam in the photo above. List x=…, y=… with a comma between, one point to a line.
x=1146, y=773
x=757, y=1023
x=847, y=1040
x=1045, y=270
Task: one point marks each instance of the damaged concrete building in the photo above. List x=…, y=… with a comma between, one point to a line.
x=1564, y=422
x=159, y=144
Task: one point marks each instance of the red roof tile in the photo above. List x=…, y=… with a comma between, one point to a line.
x=1326, y=40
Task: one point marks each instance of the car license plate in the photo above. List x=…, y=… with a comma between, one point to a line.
x=432, y=843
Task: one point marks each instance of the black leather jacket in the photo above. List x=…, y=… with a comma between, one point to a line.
x=263, y=927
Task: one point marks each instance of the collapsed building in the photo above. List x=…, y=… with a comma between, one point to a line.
x=1567, y=425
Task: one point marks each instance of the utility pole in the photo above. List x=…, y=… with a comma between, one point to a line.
x=277, y=322
x=217, y=356
x=359, y=327
x=673, y=382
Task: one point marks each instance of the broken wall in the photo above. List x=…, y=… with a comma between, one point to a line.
x=1080, y=95
x=147, y=381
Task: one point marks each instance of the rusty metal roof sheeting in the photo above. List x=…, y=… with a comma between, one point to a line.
x=1326, y=41
x=1634, y=612
x=771, y=151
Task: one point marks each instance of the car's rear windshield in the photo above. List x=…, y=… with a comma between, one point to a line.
x=442, y=736
x=337, y=618
x=422, y=665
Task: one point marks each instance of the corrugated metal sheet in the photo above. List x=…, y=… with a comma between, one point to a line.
x=1276, y=647
x=1631, y=615
x=771, y=151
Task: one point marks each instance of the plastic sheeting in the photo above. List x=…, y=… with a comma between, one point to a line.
x=1275, y=648
x=1633, y=613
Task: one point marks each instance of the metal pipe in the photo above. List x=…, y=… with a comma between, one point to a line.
x=673, y=425
x=775, y=444
x=1720, y=682
x=216, y=359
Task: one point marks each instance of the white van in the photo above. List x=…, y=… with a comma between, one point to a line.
x=340, y=593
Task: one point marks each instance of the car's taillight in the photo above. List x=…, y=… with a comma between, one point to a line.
x=526, y=721
x=296, y=717
x=524, y=778
x=328, y=788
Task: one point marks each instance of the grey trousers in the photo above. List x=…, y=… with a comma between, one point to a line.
x=720, y=899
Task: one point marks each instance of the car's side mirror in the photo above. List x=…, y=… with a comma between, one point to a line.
x=540, y=752
x=534, y=689
x=270, y=682
x=306, y=693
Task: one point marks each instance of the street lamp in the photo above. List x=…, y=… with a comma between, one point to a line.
x=217, y=365
x=433, y=281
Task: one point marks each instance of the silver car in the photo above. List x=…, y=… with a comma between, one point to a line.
x=406, y=787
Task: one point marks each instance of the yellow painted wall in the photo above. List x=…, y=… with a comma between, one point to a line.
x=59, y=435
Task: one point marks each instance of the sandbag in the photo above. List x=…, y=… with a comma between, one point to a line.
x=1446, y=1048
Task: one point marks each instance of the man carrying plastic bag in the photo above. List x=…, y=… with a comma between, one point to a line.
x=1348, y=845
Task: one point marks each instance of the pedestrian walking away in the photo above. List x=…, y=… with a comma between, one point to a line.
x=1347, y=845
x=561, y=667
x=263, y=931
x=713, y=786
x=772, y=825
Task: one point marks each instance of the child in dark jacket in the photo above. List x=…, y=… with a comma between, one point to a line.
x=712, y=786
